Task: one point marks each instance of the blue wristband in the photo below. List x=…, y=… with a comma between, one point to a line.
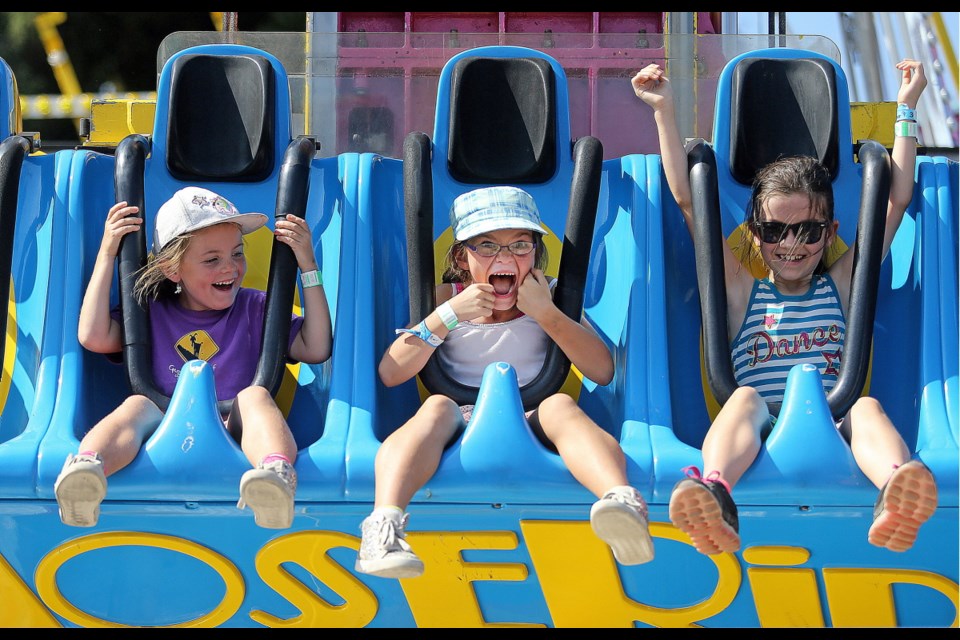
x=906, y=113
x=422, y=332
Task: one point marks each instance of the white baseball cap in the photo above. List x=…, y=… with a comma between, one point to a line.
x=194, y=208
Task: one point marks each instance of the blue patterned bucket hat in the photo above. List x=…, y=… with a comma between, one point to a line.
x=491, y=209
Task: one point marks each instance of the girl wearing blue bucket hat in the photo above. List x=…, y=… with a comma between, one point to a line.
x=496, y=305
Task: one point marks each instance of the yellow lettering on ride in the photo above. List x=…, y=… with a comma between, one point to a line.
x=768, y=586
x=585, y=591
x=46, y=575
x=18, y=606
x=309, y=550
x=443, y=596
x=864, y=597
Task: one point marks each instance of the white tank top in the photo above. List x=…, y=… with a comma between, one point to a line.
x=470, y=347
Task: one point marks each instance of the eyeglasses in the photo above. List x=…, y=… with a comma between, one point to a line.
x=490, y=249
x=806, y=232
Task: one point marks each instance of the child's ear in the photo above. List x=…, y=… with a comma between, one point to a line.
x=832, y=231
x=171, y=273
x=461, y=260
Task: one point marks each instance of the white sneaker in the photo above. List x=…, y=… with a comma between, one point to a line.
x=80, y=488
x=384, y=551
x=619, y=518
x=268, y=490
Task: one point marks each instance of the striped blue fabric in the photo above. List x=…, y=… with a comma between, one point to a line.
x=491, y=209
x=780, y=332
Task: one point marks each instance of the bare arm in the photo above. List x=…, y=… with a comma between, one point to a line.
x=408, y=354
x=314, y=342
x=578, y=341
x=904, y=154
x=97, y=331
x=902, y=171
x=654, y=89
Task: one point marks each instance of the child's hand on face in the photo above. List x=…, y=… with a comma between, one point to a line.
x=475, y=301
x=652, y=86
x=912, y=82
x=295, y=233
x=117, y=226
x=533, y=296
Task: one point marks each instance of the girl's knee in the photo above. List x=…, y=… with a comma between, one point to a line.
x=137, y=407
x=437, y=408
x=558, y=405
x=866, y=407
x=255, y=395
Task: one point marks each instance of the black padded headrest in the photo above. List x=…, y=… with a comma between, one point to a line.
x=502, y=121
x=222, y=118
x=782, y=107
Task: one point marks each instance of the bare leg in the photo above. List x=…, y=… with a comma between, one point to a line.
x=733, y=440
x=267, y=430
x=116, y=440
x=408, y=458
x=702, y=507
x=596, y=460
x=874, y=440
x=119, y=436
x=909, y=492
x=591, y=454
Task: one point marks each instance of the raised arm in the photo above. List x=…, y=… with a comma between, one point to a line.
x=653, y=87
x=97, y=331
x=904, y=154
x=903, y=159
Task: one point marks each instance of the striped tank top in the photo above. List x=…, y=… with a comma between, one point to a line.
x=780, y=332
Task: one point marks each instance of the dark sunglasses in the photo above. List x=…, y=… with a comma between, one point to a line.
x=806, y=232
x=490, y=249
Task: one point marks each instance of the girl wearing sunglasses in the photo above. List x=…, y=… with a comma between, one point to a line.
x=802, y=303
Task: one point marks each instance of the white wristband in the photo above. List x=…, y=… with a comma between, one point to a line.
x=447, y=314
x=905, y=129
x=311, y=279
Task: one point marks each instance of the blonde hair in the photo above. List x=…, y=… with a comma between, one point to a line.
x=152, y=282
x=455, y=254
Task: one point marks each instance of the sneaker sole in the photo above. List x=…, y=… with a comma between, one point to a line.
x=624, y=530
x=695, y=511
x=909, y=501
x=391, y=567
x=79, y=495
x=269, y=499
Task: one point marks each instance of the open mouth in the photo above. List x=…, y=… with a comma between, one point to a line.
x=790, y=258
x=224, y=286
x=503, y=283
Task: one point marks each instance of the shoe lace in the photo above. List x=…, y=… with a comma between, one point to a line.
x=285, y=471
x=629, y=497
x=712, y=477
x=390, y=532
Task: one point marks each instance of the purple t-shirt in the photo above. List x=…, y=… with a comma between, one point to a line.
x=229, y=340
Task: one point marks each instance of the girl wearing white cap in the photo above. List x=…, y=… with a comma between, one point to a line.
x=197, y=310
x=497, y=305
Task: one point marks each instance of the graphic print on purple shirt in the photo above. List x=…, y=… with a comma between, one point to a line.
x=229, y=340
